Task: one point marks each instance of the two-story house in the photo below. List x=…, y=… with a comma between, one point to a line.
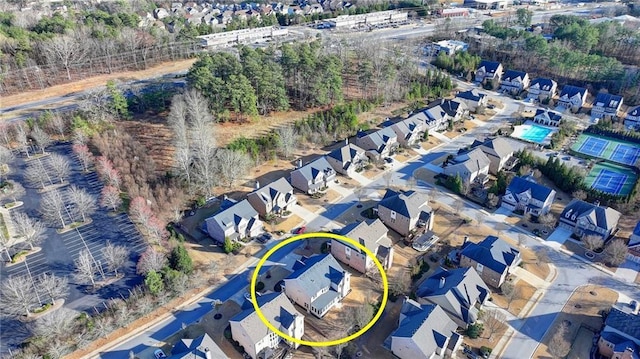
x=202, y=347
x=347, y=159
x=371, y=234
x=488, y=71
x=584, y=219
x=513, y=82
x=473, y=99
x=409, y=131
x=272, y=199
x=606, y=106
x=456, y=110
x=378, y=144
x=620, y=338
x=634, y=244
x=424, y=331
x=572, y=98
x=317, y=284
x=523, y=194
x=632, y=120
x=314, y=177
x=472, y=166
x=499, y=151
x=405, y=211
x=542, y=89
x=255, y=337
x=492, y=258
x=459, y=292
x=547, y=118
x=435, y=117
x=236, y=220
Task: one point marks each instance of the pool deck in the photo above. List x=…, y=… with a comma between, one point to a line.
x=520, y=132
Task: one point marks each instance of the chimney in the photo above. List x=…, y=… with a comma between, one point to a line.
x=596, y=203
x=207, y=353
x=346, y=141
x=257, y=184
x=442, y=280
x=300, y=163
x=465, y=240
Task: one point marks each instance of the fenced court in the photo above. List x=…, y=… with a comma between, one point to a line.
x=609, y=178
x=607, y=148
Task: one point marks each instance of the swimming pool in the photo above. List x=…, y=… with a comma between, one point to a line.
x=532, y=133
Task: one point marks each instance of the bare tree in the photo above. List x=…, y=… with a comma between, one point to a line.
x=481, y=218
x=6, y=134
x=288, y=140
x=85, y=268
x=58, y=124
x=18, y=295
x=411, y=183
x=21, y=137
x=400, y=285
x=510, y=292
x=30, y=229
x=205, y=174
x=55, y=324
x=60, y=166
x=232, y=165
x=593, y=242
x=492, y=200
x=5, y=158
x=522, y=239
x=115, y=256
x=361, y=315
x=84, y=155
x=53, y=208
x=41, y=137
x=500, y=227
x=388, y=178
x=36, y=175
x=537, y=174
x=107, y=172
x=542, y=255
x=151, y=260
x=559, y=346
x=493, y=320
x=52, y=286
x=65, y=50
x=580, y=194
x=458, y=205
x=84, y=204
x=110, y=198
x=616, y=252
x=547, y=220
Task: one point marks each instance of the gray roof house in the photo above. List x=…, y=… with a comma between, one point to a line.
x=541, y=89
x=492, y=258
x=274, y=198
x=373, y=235
x=499, y=152
x=255, y=337
x=471, y=166
x=314, y=176
x=572, y=98
x=514, y=82
x=634, y=244
x=378, y=144
x=460, y=292
x=620, y=337
x=347, y=159
x=606, y=106
x=524, y=194
x=473, y=99
x=202, y=347
x=236, y=221
x=424, y=331
x=409, y=131
x=488, y=70
x=435, y=117
x=584, y=219
x=547, y=118
x=317, y=283
x=405, y=212
x=454, y=108
x=632, y=120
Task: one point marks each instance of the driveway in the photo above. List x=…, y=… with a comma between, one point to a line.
x=558, y=237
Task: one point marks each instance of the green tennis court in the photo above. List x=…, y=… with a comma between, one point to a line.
x=626, y=153
x=610, y=178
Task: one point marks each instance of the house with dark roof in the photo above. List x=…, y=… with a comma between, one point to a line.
x=632, y=120
x=378, y=144
x=499, y=151
x=347, y=159
x=634, y=244
x=473, y=99
x=471, y=166
x=237, y=221
x=572, y=98
x=424, y=331
x=405, y=212
x=606, y=106
x=317, y=284
x=584, y=219
x=272, y=199
x=202, y=347
x=459, y=292
x=525, y=195
x=409, y=131
x=373, y=235
x=620, y=337
x=455, y=109
x=488, y=71
x=492, y=258
x=547, y=118
x=257, y=340
x=513, y=82
x=314, y=177
x=542, y=89
x=435, y=117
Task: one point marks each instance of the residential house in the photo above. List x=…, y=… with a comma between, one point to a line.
x=314, y=177
x=424, y=331
x=606, y=106
x=547, y=118
x=514, y=82
x=632, y=120
x=409, y=131
x=435, y=117
x=492, y=258
x=471, y=166
x=378, y=144
x=499, y=152
x=255, y=337
x=489, y=71
x=542, y=89
x=459, y=292
x=405, y=211
x=202, y=347
x=317, y=283
x=371, y=234
x=584, y=219
x=347, y=159
x=272, y=199
x=634, y=244
x=473, y=99
x=620, y=338
x=237, y=220
x=572, y=98
x=524, y=195
x=455, y=109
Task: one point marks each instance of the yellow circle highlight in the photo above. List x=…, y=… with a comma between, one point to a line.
x=385, y=293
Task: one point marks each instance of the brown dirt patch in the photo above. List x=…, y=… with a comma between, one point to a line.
x=287, y=225
x=486, y=116
x=526, y=291
x=316, y=204
x=430, y=143
x=403, y=157
x=531, y=264
x=157, y=138
x=484, y=339
x=373, y=173
x=496, y=103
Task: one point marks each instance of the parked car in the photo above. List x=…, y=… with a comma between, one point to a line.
x=300, y=230
x=265, y=237
x=388, y=160
x=159, y=354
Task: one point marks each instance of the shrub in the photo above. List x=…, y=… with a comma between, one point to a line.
x=485, y=350
x=474, y=330
x=18, y=256
x=259, y=286
x=324, y=248
x=179, y=260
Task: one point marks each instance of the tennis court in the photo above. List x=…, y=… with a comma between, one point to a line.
x=607, y=148
x=611, y=179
